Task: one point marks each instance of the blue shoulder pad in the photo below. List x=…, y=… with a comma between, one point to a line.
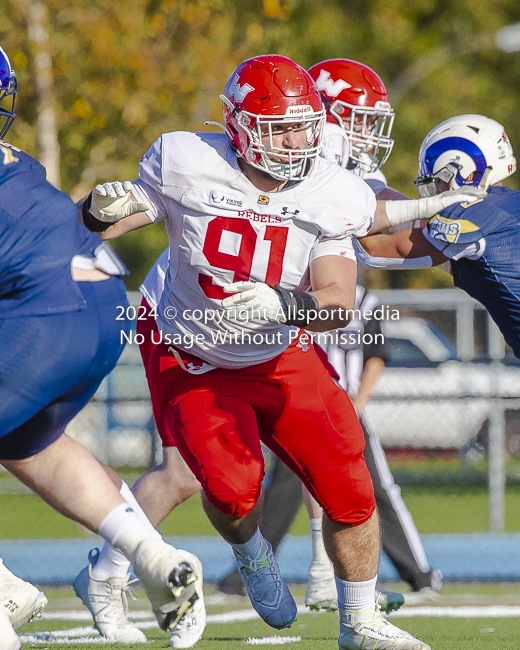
x=453, y=231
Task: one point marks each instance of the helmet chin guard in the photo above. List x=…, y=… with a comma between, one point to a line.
x=266, y=94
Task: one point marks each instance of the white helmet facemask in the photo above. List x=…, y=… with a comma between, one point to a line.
x=368, y=130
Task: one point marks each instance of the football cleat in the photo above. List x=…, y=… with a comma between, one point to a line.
x=424, y=595
x=427, y=593
x=19, y=600
x=190, y=628
x=169, y=578
x=107, y=602
x=321, y=587
x=369, y=630
x=9, y=640
x=269, y=594
x=389, y=601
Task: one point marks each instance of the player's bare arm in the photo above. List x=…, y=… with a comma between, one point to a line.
x=333, y=279
x=389, y=194
x=135, y=222
x=405, y=244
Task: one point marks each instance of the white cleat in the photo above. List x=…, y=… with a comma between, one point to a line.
x=424, y=595
x=190, y=628
x=107, y=602
x=9, y=640
x=369, y=630
x=19, y=600
x=169, y=577
x=321, y=587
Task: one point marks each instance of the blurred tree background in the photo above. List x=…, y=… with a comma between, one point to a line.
x=123, y=73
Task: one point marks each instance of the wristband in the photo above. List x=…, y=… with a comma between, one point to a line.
x=300, y=307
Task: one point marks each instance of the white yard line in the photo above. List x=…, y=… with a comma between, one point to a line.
x=145, y=620
x=273, y=640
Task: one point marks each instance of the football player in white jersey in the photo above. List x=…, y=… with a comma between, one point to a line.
x=248, y=214
x=356, y=136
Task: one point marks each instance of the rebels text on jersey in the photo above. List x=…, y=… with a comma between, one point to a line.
x=223, y=229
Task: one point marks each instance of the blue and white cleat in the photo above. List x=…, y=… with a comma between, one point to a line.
x=269, y=594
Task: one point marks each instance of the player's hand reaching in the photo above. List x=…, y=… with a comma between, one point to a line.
x=111, y=202
x=256, y=299
x=398, y=212
x=463, y=194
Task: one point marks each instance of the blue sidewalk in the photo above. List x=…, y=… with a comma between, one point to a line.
x=471, y=556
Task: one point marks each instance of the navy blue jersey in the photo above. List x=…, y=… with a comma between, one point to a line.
x=39, y=235
x=494, y=278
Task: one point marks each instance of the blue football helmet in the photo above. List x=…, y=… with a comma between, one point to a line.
x=7, y=90
x=464, y=150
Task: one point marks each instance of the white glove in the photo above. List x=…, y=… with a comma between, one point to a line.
x=112, y=202
x=256, y=299
x=399, y=212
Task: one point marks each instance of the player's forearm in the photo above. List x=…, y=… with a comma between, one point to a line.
x=410, y=247
x=128, y=224
x=336, y=303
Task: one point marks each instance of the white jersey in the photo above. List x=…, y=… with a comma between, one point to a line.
x=223, y=229
x=336, y=142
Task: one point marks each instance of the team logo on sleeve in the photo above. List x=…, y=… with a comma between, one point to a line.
x=451, y=231
x=263, y=200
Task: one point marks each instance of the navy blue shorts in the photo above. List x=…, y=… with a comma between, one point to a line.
x=51, y=366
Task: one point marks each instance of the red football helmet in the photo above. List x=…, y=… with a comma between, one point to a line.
x=265, y=92
x=356, y=99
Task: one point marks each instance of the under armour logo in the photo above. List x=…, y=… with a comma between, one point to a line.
x=303, y=344
x=331, y=88
x=287, y=211
x=239, y=92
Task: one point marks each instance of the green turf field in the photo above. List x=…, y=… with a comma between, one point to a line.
x=439, y=510
x=309, y=631
x=444, y=495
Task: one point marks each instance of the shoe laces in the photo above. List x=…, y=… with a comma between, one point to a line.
x=130, y=590
x=261, y=560
x=381, y=625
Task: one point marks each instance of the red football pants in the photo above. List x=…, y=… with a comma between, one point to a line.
x=289, y=403
x=146, y=326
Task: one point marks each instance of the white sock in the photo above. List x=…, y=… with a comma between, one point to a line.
x=111, y=562
x=252, y=547
x=129, y=497
x=319, y=554
x=356, y=596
